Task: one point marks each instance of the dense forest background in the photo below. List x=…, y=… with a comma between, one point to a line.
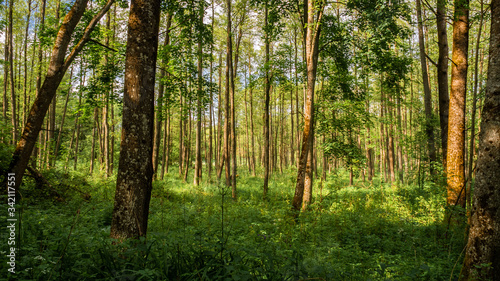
x=250, y=139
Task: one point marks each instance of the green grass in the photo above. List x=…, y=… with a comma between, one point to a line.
x=361, y=232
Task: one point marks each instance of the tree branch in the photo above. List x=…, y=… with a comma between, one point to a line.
x=429, y=58
x=100, y=44
x=86, y=35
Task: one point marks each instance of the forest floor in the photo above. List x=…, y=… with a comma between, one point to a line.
x=369, y=231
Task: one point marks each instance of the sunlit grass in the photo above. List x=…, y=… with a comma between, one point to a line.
x=366, y=231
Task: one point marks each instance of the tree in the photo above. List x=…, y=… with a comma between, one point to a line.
x=442, y=75
x=481, y=257
x=135, y=168
x=427, y=90
x=311, y=20
x=58, y=66
x=455, y=170
x=267, y=94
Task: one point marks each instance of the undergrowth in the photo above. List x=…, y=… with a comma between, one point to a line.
x=369, y=231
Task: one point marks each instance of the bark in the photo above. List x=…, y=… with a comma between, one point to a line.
x=159, y=111
x=400, y=134
x=368, y=148
x=390, y=143
x=251, y=117
x=296, y=97
x=181, y=135
x=26, y=63
x=198, y=163
x=187, y=147
x=247, y=135
x=227, y=121
x=105, y=125
x=312, y=16
x=456, y=127
x=92, y=149
x=5, y=104
x=308, y=181
x=233, y=115
x=482, y=259
x=442, y=75
x=267, y=96
x=58, y=65
x=474, y=106
x=11, y=74
x=427, y=91
x=219, y=163
x=211, y=105
x=135, y=168
x=40, y=53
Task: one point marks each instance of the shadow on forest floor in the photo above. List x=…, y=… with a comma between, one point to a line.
x=361, y=232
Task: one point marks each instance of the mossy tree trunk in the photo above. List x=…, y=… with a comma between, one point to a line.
x=482, y=258
x=135, y=167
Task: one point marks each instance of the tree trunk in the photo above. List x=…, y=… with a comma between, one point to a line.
x=58, y=65
x=211, y=102
x=456, y=126
x=474, y=106
x=159, y=110
x=135, y=169
x=390, y=143
x=227, y=121
x=251, y=117
x=267, y=97
x=311, y=34
x=427, y=91
x=482, y=260
x=181, y=135
x=187, y=147
x=56, y=150
x=92, y=149
x=11, y=76
x=198, y=163
x=442, y=75
x=308, y=181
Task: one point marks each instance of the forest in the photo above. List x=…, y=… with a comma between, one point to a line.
x=250, y=140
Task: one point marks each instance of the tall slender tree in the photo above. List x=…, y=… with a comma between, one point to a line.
x=311, y=20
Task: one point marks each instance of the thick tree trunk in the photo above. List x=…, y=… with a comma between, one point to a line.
x=58, y=65
x=482, y=259
x=135, y=169
x=456, y=126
